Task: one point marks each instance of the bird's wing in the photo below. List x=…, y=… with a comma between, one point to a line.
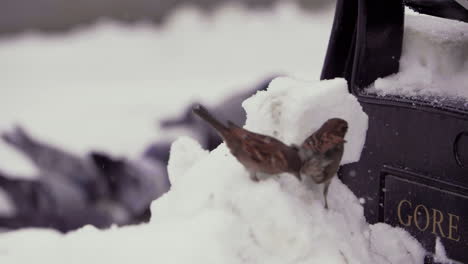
x=267, y=150
x=322, y=143
x=312, y=143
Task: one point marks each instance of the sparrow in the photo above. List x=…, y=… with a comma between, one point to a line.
x=260, y=154
x=322, y=151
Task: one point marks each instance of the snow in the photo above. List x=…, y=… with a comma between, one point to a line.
x=440, y=255
x=463, y=3
x=214, y=213
x=186, y=152
x=434, y=60
x=292, y=124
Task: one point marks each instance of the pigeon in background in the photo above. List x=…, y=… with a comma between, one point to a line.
x=133, y=184
x=49, y=202
x=158, y=152
x=72, y=191
x=97, y=189
x=53, y=161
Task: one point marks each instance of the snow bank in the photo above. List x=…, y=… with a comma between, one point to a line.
x=215, y=214
x=434, y=60
x=292, y=109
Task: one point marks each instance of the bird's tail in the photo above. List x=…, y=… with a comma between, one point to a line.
x=19, y=139
x=202, y=112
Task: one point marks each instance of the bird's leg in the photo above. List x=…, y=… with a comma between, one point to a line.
x=253, y=177
x=298, y=176
x=319, y=178
x=263, y=176
x=259, y=176
x=325, y=192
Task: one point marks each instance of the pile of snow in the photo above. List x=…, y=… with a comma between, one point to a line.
x=215, y=214
x=434, y=60
x=292, y=109
x=105, y=87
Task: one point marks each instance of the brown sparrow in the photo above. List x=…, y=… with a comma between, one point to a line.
x=258, y=153
x=321, y=153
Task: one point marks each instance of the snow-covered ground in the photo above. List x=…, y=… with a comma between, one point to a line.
x=214, y=213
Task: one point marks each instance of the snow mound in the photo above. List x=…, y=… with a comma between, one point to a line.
x=434, y=60
x=292, y=110
x=184, y=153
x=215, y=214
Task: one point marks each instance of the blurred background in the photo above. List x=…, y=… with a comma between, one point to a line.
x=93, y=92
x=60, y=15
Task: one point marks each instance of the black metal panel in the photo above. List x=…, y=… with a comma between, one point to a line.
x=340, y=52
x=364, y=45
x=379, y=36
x=428, y=211
x=414, y=139
x=404, y=137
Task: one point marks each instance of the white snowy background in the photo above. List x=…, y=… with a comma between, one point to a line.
x=105, y=87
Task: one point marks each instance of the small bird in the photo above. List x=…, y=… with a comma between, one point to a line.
x=322, y=151
x=260, y=154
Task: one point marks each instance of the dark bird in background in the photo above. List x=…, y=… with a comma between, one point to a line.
x=133, y=185
x=49, y=202
x=99, y=189
x=72, y=191
x=321, y=153
x=260, y=154
x=53, y=161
